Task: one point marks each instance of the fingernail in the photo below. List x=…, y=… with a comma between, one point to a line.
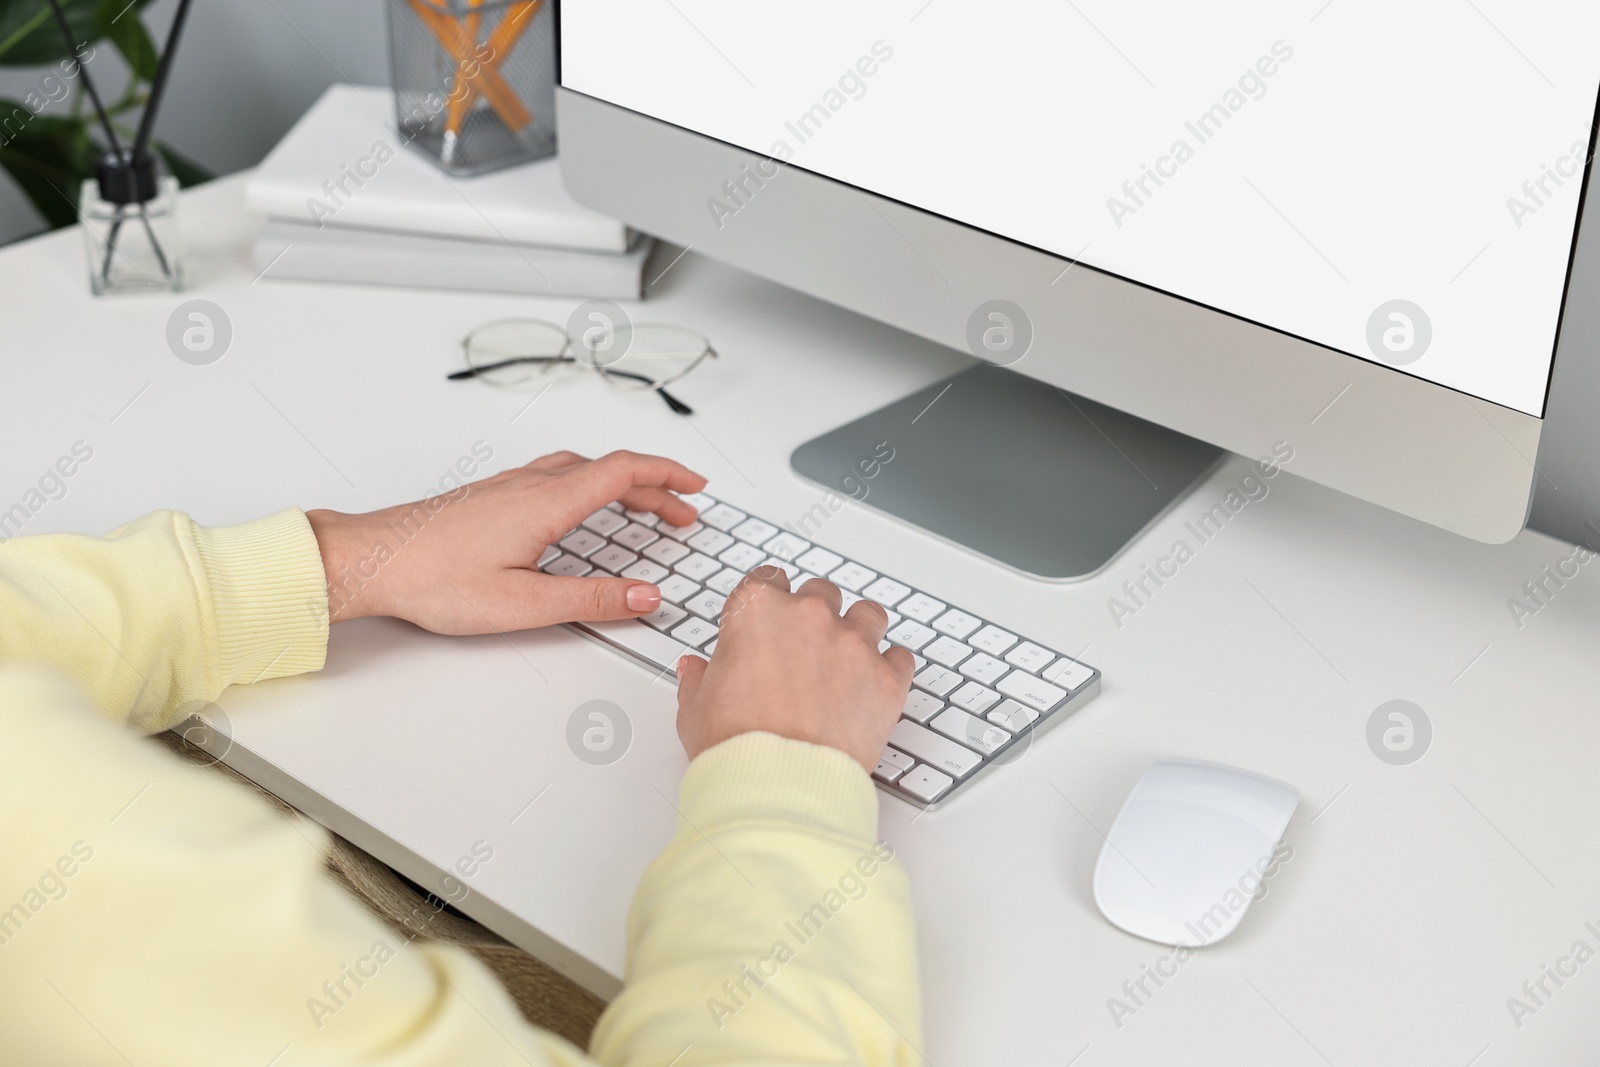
x=643, y=597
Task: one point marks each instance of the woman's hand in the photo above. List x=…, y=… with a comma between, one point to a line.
x=466, y=562
x=787, y=663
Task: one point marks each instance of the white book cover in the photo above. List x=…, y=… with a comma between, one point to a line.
x=344, y=164
x=300, y=251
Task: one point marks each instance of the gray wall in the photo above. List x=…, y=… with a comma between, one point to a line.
x=245, y=72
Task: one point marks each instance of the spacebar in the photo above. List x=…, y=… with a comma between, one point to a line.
x=635, y=638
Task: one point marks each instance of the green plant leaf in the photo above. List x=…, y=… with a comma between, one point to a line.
x=48, y=157
x=29, y=35
x=186, y=170
x=119, y=20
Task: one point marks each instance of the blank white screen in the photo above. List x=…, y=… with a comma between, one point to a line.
x=1358, y=151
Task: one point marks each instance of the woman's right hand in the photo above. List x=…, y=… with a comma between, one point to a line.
x=788, y=663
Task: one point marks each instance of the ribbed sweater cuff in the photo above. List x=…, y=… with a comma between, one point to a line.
x=269, y=596
x=763, y=777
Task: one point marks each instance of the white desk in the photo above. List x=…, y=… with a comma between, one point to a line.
x=1419, y=897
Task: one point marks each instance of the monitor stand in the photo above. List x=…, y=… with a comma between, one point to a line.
x=1027, y=474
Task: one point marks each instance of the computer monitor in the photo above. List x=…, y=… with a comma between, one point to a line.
x=1353, y=230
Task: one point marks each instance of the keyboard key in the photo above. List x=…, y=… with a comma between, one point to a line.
x=922, y=607
x=937, y=680
x=695, y=632
x=912, y=635
x=925, y=783
x=742, y=557
x=711, y=647
x=665, y=617
x=679, y=533
x=846, y=600
x=786, y=546
x=946, y=650
x=974, y=697
x=725, y=582
x=583, y=543
x=568, y=567
x=605, y=522
x=984, y=668
x=957, y=623
x=1030, y=657
x=723, y=517
x=921, y=707
x=635, y=536
x=896, y=758
x=615, y=506
x=642, y=641
x=944, y=754
x=698, y=501
x=612, y=558
x=707, y=605
x=972, y=732
x=1025, y=688
x=675, y=587
x=851, y=576
x=1012, y=716
x=887, y=772
x=755, y=531
x=887, y=592
x=892, y=765
x=710, y=541
x=646, y=571
x=666, y=552
x=1067, y=672
x=785, y=566
x=819, y=561
x=646, y=519
x=993, y=640
x=697, y=567
x=917, y=663
x=550, y=552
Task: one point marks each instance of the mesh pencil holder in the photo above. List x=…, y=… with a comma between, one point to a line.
x=474, y=82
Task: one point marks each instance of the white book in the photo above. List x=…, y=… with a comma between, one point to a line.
x=345, y=164
x=300, y=251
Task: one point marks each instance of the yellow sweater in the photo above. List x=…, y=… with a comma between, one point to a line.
x=152, y=914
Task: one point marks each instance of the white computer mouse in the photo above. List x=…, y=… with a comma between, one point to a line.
x=1188, y=850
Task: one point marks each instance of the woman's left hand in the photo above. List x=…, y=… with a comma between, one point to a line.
x=466, y=562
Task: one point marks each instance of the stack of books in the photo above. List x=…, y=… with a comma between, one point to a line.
x=348, y=200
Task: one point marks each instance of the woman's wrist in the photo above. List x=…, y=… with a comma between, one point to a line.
x=351, y=594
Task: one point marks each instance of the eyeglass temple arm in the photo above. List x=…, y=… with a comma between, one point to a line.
x=672, y=402
x=675, y=404
x=473, y=372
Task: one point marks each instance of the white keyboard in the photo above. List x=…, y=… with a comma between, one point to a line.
x=979, y=690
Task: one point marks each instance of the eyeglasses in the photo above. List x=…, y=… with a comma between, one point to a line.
x=643, y=355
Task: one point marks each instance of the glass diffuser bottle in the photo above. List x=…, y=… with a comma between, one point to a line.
x=129, y=213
